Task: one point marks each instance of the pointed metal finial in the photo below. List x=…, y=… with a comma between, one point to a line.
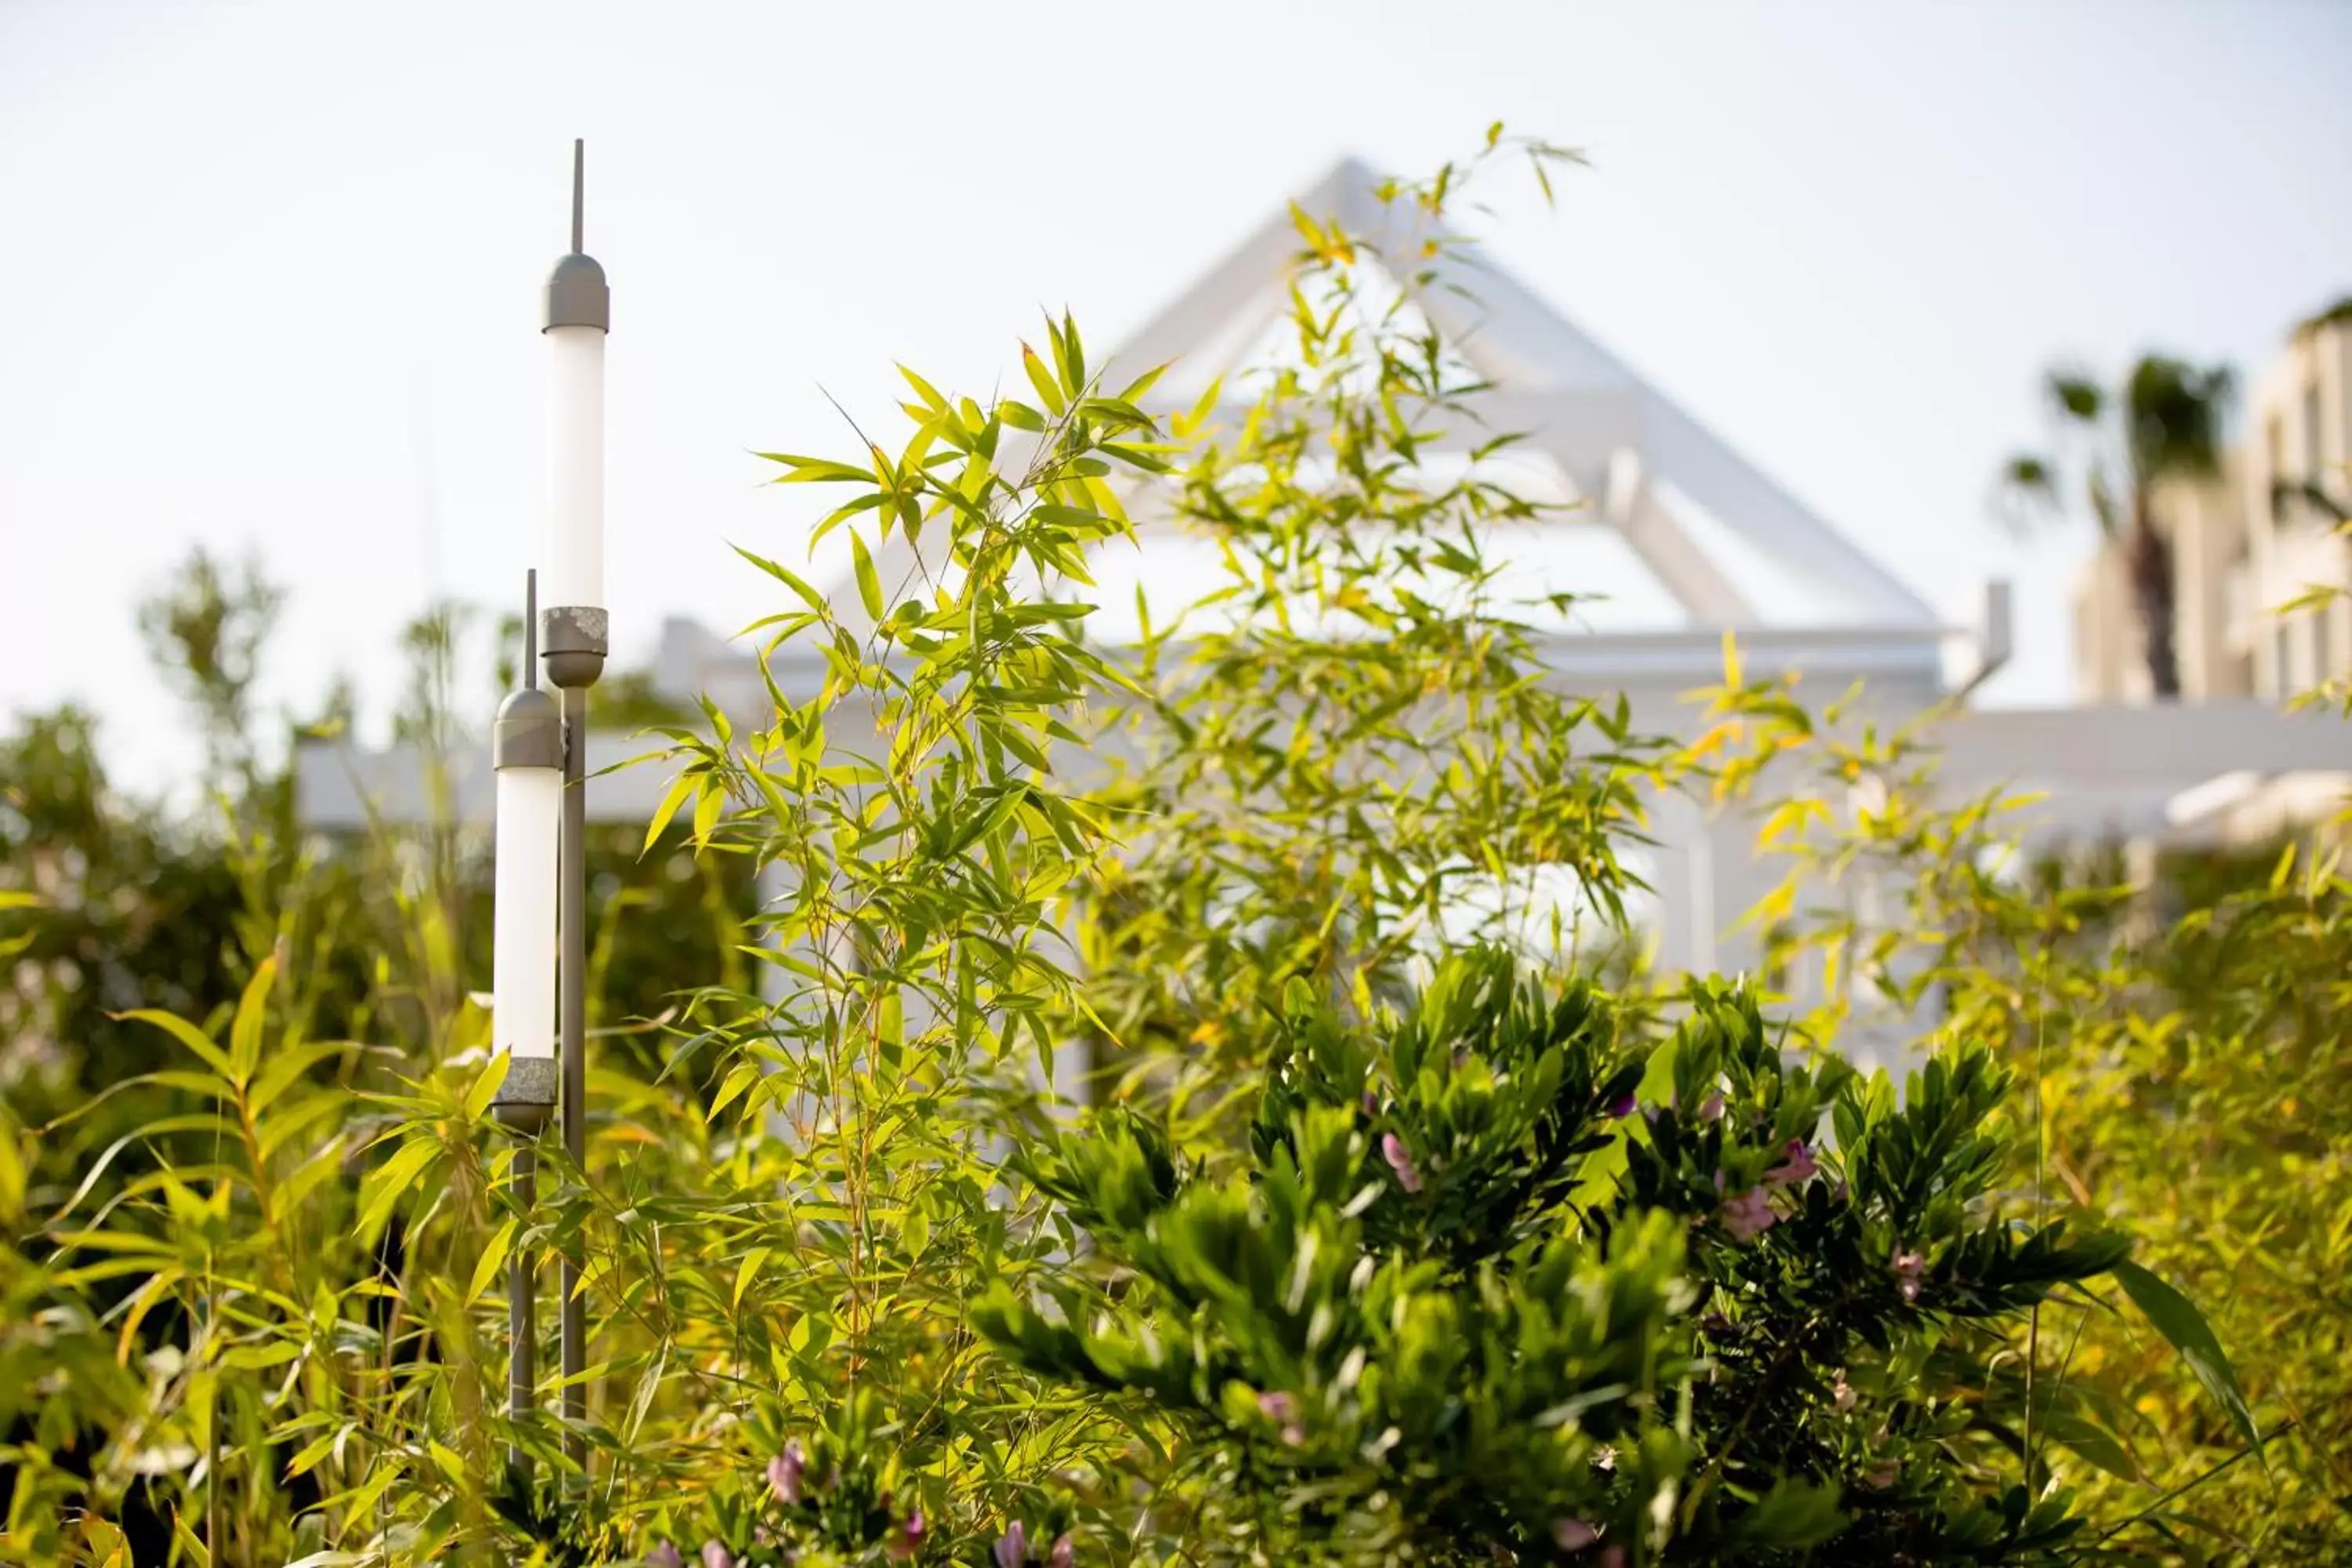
x=577, y=295
x=530, y=630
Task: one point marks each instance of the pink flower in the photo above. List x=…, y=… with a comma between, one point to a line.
x=1399, y=1160
x=784, y=1473
x=716, y=1556
x=664, y=1555
x=1064, y=1553
x=1842, y=1394
x=1011, y=1548
x=1574, y=1535
x=1796, y=1165
x=906, y=1538
x=1711, y=1109
x=1612, y=1557
x=1748, y=1216
x=1882, y=1475
x=1908, y=1267
x=1276, y=1406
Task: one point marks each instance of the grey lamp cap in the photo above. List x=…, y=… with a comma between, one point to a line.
x=528, y=732
x=577, y=295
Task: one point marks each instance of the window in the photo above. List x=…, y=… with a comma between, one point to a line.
x=2238, y=595
x=2314, y=457
x=2274, y=449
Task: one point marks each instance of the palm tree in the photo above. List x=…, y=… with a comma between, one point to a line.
x=2163, y=424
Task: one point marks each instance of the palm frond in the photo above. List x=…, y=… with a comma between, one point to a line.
x=2075, y=395
x=2173, y=414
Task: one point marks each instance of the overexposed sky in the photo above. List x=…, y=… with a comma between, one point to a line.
x=270, y=272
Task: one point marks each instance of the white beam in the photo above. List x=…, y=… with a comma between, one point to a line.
x=1633, y=509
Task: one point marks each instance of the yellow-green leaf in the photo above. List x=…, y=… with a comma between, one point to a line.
x=252, y=1011
x=672, y=798
x=391, y=1180
x=188, y=1035
x=485, y=1085
x=494, y=1257
x=2179, y=1321
x=748, y=1270
x=870, y=585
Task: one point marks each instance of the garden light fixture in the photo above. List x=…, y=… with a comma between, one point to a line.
x=539, y=965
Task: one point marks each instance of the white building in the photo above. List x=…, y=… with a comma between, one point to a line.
x=2258, y=536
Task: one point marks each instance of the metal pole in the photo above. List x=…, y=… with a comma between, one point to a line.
x=522, y=1311
x=572, y=1014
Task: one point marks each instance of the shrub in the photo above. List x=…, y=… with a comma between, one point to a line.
x=1471, y=1293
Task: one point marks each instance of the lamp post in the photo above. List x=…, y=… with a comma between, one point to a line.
x=527, y=750
x=572, y=640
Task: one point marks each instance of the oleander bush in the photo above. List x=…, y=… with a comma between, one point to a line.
x=1193, y=1102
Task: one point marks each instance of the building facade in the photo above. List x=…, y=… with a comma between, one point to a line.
x=2258, y=537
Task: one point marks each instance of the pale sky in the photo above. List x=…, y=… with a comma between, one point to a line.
x=271, y=271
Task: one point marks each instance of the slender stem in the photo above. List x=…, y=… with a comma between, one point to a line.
x=2041, y=1148
x=2186, y=1486
x=212, y=1421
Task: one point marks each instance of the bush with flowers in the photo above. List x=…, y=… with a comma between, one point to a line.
x=1506, y=1275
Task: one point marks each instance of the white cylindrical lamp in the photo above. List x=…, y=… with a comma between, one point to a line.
x=579, y=315
x=574, y=551
x=527, y=751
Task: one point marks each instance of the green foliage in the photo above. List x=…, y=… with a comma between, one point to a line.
x=2183, y=1048
x=1348, y=755
x=1359, y=1253
x=1459, y=1298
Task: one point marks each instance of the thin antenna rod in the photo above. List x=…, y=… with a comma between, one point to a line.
x=530, y=630
x=579, y=191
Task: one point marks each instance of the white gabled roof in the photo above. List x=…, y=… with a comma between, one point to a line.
x=1619, y=440
x=1677, y=521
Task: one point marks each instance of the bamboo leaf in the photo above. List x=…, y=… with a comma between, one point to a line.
x=494, y=1257
x=870, y=585
x=252, y=1012
x=2181, y=1324
x=188, y=1035
x=485, y=1085
x=391, y=1180
x=672, y=798
x=747, y=1271
x=1043, y=379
